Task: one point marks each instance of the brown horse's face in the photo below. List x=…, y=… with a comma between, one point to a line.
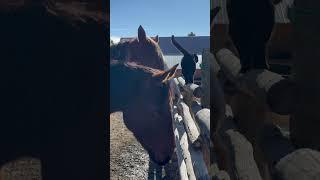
x=145, y=99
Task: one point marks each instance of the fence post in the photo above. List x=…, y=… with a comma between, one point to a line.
x=205, y=78
x=305, y=124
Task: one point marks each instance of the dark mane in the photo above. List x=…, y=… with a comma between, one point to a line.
x=136, y=67
x=53, y=30
x=73, y=12
x=76, y=12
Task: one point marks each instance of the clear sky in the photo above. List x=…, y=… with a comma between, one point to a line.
x=159, y=17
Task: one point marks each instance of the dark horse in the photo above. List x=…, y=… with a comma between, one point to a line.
x=188, y=61
x=250, y=28
x=143, y=95
x=53, y=88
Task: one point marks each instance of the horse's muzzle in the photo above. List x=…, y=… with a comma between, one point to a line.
x=160, y=160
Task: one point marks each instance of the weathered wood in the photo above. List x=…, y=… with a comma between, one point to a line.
x=193, y=158
x=214, y=169
x=215, y=67
x=203, y=120
x=252, y=113
x=218, y=103
x=187, y=96
x=236, y=152
x=229, y=62
x=190, y=126
x=199, y=165
x=181, y=81
x=174, y=85
x=180, y=138
x=274, y=144
x=195, y=107
x=205, y=77
x=214, y=158
x=221, y=175
x=229, y=71
x=271, y=88
x=300, y=164
x=192, y=89
x=279, y=90
x=240, y=152
x=216, y=90
x=175, y=80
x=202, y=117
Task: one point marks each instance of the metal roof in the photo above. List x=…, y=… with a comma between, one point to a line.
x=194, y=45
x=280, y=12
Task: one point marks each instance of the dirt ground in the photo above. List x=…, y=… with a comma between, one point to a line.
x=128, y=159
x=21, y=169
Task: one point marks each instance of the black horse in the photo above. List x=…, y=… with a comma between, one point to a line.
x=250, y=26
x=188, y=61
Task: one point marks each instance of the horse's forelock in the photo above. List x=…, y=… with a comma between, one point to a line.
x=73, y=12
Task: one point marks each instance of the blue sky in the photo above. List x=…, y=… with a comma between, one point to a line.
x=159, y=17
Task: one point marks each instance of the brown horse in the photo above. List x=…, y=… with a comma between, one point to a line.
x=143, y=50
x=143, y=94
x=53, y=88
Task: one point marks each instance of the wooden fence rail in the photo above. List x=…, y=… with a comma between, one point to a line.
x=192, y=128
x=251, y=147
x=188, y=137
x=243, y=144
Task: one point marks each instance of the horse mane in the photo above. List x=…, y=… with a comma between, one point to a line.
x=136, y=67
x=73, y=28
x=76, y=12
x=72, y=12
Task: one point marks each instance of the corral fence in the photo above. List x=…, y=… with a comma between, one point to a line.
x=247, y=143
x=191, y=114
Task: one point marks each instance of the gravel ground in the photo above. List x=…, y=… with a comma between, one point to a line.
x=128, y=159
x=21, y=169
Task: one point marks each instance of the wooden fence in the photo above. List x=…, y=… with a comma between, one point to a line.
x=191, y=114
x=247, y=145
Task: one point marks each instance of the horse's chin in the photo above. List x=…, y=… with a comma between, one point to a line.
x=161, y=162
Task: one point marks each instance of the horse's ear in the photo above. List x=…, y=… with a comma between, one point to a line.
x=167, y=75
x=156, y=39
x=141, y=34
